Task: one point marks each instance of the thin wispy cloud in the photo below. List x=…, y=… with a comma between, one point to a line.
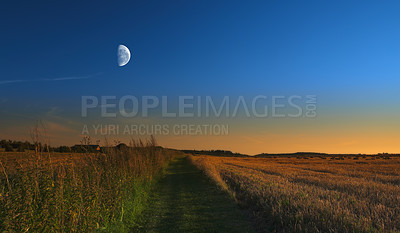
x=11, y=81
x=50, y=79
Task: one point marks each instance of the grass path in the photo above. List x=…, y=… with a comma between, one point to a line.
x=185, y=200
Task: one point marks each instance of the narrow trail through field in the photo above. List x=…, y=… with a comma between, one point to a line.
x=185, y=200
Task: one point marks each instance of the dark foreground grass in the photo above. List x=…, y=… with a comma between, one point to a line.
x=94, y=192
x=185, y=200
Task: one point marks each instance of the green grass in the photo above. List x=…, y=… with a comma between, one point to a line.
x=133, y=205
x=185, y=200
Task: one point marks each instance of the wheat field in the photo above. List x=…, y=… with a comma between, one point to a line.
x=312, y=194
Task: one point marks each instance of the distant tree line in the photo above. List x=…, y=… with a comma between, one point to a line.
x=292, y=154
x=19, y=146
x=10, y=145
x=84, y=147
x=214, y=152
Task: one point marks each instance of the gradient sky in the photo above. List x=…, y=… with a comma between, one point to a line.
x=345, y=52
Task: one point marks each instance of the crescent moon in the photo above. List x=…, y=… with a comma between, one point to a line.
x=124, y=55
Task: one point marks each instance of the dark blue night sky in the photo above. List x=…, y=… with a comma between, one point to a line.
x=347, y=52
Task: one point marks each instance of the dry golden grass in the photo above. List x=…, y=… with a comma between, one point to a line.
x=314, y=194
x=17, y=160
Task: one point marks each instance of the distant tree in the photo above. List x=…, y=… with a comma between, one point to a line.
x=63, y=149
x=21, y=148
x=122, y=146
x=8, y=147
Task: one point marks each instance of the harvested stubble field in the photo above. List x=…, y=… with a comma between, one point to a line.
x=312, y=195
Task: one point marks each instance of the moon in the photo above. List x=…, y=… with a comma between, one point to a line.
x=124, y=55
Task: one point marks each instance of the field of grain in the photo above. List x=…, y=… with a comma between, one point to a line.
x=319, y=194
x=77, y=192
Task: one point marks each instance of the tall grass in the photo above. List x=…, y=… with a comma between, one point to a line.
x=97, y=191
